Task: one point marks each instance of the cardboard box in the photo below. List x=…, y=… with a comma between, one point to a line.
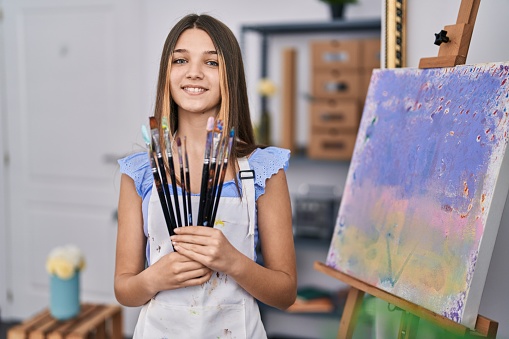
x=336, y=84
x=344, y=54
x=336, y=114
x=331, y=144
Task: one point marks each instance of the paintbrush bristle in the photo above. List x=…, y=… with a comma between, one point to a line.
x=164, y=123
x=179, y=143
x=145, y=135
x=153, y=123
x=219, y=126
x=210, y=124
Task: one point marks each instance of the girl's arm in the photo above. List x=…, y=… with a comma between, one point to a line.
x=135, y=285
x=275, y=283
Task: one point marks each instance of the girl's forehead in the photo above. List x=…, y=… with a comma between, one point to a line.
x=196, y=39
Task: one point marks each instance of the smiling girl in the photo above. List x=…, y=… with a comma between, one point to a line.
x=208, y=285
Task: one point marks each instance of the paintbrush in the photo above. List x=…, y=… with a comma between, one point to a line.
x=188, y=185
x=157, y=180
x=162, y=170
x=218, y=132
x=182, y=181
x=169, y=154
x=222, y=144
x=205, y=171
x=227, y=151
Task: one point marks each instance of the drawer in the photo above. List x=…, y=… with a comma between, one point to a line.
x=371, y=53
x=337, y=114
x=331, y=144
x=328, y=54
x=336, y=84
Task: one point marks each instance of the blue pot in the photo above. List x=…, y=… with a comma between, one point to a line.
x=65, y=296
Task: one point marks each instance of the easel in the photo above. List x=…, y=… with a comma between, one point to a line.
x=454, y=42
x=484, y=327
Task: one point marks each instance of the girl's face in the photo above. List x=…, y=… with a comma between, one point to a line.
x=194, y=76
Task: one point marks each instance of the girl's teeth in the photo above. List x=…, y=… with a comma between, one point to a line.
x=194, y=90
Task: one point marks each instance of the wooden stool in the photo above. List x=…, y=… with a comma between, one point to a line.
x=94, y=321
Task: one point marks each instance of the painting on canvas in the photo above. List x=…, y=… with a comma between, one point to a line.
x=427, y=185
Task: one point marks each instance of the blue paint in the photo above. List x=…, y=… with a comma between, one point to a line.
x=429, y=124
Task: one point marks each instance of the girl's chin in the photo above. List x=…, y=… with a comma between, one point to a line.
x=199, y=109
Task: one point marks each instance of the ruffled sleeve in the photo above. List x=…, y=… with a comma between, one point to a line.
x=137, y=167
x=266, y=162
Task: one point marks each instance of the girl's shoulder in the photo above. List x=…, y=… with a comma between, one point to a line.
x=266, y=162
x=137, y=167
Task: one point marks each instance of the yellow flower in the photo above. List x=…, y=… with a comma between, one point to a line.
x=266, y=87
x=63, y=268
x=65, y=261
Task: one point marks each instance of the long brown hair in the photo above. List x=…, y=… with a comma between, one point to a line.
x=234, y=107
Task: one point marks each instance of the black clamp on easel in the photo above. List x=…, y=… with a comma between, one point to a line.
x=454, y=40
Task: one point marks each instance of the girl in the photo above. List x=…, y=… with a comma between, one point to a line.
x=203, y=282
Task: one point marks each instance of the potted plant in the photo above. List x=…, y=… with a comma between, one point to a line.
x=337, y=7
x=64, y=265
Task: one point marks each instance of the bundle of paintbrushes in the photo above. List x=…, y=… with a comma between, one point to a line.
x=215, y=164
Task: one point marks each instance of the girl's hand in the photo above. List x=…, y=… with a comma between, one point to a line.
x=206, y=245
x=175, y=270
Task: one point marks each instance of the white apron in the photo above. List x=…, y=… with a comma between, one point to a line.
x=219, y=308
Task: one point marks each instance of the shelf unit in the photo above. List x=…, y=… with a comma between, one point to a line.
x=335, y=26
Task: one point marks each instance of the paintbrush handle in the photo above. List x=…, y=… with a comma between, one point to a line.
x=209, y=200
x=160, y=192
x=166, y=190
x=174, y=187
x=215, y=187
x=189, y=205
x=203, y=191
x=218, y=195
x=184, y=195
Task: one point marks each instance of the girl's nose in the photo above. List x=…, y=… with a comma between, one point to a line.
x=194, y=71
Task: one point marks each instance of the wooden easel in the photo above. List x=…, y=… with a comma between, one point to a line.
x=484, y=327
x=454, y=42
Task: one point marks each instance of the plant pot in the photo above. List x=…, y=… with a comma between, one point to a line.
x=65, y=297
x=337, y=11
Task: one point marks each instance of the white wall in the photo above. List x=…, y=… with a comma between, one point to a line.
x=3, y=227
x=489, y=44
x=489, y=40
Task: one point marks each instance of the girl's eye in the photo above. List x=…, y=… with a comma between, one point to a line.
x=179, y=61
x=212, y=63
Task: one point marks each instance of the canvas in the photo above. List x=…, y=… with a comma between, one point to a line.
x=427, y=185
